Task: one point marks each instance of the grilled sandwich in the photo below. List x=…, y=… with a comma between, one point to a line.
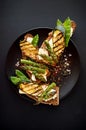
x=51, y=49
x=27, y=48
x=41, y=93
x=54, y=45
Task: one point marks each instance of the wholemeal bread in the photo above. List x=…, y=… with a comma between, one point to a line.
x=53, y=100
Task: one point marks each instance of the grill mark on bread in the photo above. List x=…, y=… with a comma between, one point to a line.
x=60, y=47
x=59, y=41
x=57, y=38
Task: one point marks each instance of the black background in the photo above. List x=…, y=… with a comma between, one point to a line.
x=17, y=17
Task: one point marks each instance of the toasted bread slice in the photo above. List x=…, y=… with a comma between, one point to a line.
x=56, y=43
x=35, y=92
x=51, y=49
x=54, y=102
x=28, y=50
x=73, y=25
x=34, y=53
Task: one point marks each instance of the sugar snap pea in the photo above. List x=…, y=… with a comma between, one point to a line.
x=19, y=78
x=32, y=68
x=15, y=80
x=35, y=40
x=22, y=76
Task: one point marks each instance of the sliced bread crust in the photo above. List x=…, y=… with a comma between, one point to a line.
x=53, y=102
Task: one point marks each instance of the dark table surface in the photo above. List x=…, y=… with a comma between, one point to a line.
x=19, y=16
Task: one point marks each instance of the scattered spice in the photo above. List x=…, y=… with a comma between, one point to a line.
x=62, y=69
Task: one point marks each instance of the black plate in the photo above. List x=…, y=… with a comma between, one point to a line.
x=14, y=55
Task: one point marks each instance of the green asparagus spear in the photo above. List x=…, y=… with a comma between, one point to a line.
x=35, y=40
x=54, y=57
x=47, y=58
x=51, y=86
x=31, y=68
x=45, y=93
x=48, y=46
x=29, y=62
x=40, y=77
